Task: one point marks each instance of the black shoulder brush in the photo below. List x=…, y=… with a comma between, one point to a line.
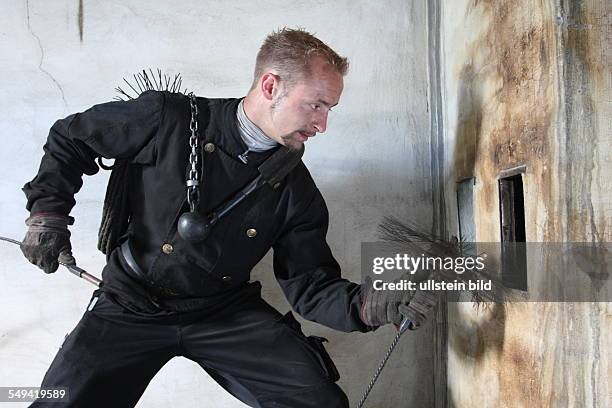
x=147, y=81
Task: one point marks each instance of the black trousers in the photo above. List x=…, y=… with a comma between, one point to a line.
x=258, y=355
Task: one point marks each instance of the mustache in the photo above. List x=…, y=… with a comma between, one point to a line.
x=291, y=136
x=306, y=132
x=290, y=142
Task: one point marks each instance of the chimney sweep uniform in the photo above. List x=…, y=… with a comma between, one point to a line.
x=164, y=296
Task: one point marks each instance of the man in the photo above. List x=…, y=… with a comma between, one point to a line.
x=165, y=296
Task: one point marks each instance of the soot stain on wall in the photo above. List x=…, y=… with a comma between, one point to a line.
x=506, y=100
x=509, y=91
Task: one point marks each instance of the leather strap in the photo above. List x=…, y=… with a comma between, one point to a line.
x=129, y=259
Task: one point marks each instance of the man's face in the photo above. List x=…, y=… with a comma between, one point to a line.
x=301, y=112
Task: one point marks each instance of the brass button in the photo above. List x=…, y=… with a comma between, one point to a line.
x=209, y=147
x=226, y=279
x=167, y=248
x=251, y=232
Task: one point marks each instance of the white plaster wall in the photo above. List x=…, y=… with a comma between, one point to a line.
x=373, y=160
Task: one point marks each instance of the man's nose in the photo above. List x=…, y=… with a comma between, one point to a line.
x=320, y=123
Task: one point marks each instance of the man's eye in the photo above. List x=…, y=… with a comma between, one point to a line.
x=314, y=106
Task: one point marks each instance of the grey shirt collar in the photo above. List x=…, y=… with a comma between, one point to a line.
x=255, y=139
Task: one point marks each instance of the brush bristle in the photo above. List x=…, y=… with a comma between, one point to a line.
x=416, y=239
x=142, y=82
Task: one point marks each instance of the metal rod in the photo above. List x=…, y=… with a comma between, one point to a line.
x=403, y=327
x=75, y=270
x=12, y=241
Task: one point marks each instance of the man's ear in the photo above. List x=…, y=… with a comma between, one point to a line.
x=270, y=84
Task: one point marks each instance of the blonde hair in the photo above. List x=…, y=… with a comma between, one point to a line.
x=290, y=52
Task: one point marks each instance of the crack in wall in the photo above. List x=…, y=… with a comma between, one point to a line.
x=42, y=55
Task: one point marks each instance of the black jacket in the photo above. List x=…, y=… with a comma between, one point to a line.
x=152, y=132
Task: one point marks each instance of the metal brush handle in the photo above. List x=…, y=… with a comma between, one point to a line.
x=81, y=273
x=405, y=325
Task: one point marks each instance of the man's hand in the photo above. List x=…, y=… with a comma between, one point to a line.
x=419, y=307
x=48, y=241
x=379, y=307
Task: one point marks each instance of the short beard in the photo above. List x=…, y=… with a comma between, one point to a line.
x=290, y=143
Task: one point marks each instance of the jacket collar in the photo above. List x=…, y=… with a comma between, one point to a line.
x=223, y=131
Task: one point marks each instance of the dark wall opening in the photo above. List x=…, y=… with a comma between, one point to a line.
x=512, y=226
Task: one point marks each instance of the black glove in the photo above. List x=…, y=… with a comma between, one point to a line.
x=379, y=307
x=48, y=241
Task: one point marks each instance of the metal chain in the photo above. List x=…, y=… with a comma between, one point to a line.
x=193, y=179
